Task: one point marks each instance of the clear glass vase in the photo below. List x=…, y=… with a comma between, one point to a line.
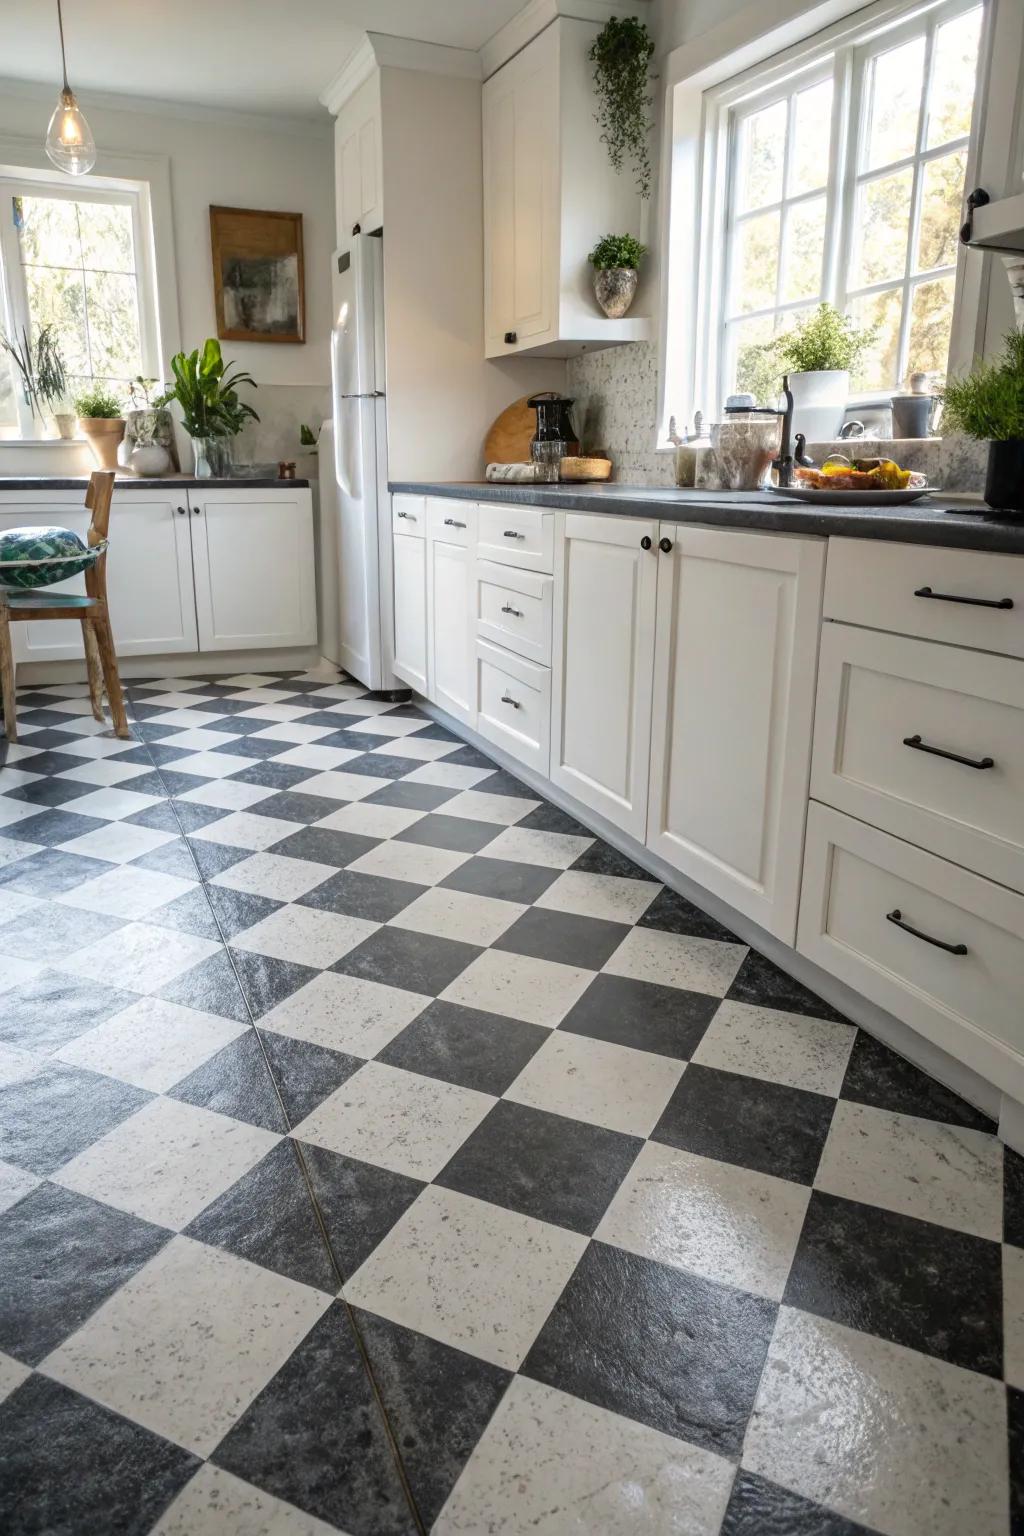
x=212, y=457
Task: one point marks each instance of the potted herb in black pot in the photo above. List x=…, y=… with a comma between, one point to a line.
x=988, y=404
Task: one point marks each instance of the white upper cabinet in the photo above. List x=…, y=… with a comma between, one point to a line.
x=606, y=584
x=549, y=194
x=252, y=555
x=357, y=162
x=737, y=637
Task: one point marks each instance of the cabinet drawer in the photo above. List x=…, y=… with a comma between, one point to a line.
x=858, y=881
x=882, y=701
x=514, y=610
x=409, y=515
x=451, y=521
x=960, y=596
x=522, y=536
x=513, y=704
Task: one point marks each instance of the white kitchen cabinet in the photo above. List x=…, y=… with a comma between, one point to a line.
x=357, y=162
x=452, y=623
x=606, y=586
x=737, y=638
x=409, y=554
x=549, y=194
x=252, y=558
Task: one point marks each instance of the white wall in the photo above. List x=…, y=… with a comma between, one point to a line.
x=245, y=162
x=442, y=393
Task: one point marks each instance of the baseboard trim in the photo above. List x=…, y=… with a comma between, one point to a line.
x=208, y=664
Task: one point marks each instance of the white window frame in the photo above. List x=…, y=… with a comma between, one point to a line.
x=145, y=181
x=745, y=53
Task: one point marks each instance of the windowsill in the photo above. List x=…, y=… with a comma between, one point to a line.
x=41, y=442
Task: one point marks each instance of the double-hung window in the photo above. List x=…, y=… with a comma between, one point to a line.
x=843, y=177
x=74, y=256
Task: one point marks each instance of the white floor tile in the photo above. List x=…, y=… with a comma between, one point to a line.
x=296, y=731
x=321, y=759
x=152, y=1043
x=15, y=1183
x=197, y=739
x=245, y=830
x=140, y=957
x=216, y=1503
x=16, y=1063
x=306, y=935
x=549, y=1464
x=936, y=1172
x=228, y=794
x=539, y=991
x=782, y=1047
x=11, y=850
x=101, y=771
x=187, y=1343
x=167, y=1162
x=459, y=915
x=594, y=1080
x=393, y=725
x=274, y=875
x=718, y=1220
x=275, y=711
x=371, y=820
x=345, y=1013
x=396, y=1119
x=469, y=1273
x=475, y=805
x=444, y=775
x=551, y=850
x=14, y=971
x=211, y=765
x=415, y=862
x=14, y=903
x=1013, y=1315
x=674, y=960
x=338, y=785
x=13, y=811
x=610, y=897
x=872, y=1430
x=118, y=844
x=127, y=892
x=94, y=746
x=421, y=748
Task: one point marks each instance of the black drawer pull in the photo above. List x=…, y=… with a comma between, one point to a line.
x=507, y=698
x=896, y=916
x=516, y=613
x=954, y=757
x=645, y=542
x=513, y=533
x=510, y=338
x=665, y=545
x=975, y=602
x=409, y=515
x=451, y=522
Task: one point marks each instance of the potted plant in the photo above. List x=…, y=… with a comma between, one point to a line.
x=988, y=404
x=817, y=355
x=615, y=259
x=43, y=376
x=100, y=419
x=149, y=432
x=621, y=55
x=207, y=391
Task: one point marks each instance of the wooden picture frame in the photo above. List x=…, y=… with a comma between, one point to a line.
x=258, y=278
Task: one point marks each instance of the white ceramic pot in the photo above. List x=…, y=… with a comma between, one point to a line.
x=149, y=460
x=819, y=403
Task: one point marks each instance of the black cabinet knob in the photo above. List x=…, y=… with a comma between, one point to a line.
x=180, y=511
x=511, y=338
x=665, y=545
x=645, y=542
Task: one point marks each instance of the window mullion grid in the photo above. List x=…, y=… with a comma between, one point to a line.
x=913, y=233
x=847, y=164
x=787, y=154
x=16, y=291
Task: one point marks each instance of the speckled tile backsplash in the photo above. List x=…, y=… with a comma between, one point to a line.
x=616, y=394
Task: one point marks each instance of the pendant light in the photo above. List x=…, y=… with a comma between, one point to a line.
x=69, y=141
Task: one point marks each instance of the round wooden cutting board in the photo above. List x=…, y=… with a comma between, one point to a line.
x=508, y=441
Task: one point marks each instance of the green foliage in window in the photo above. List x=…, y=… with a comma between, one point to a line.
x=617, y=251
x=825, y=339
x=98, y=403
x=206, y=388
x=41, y=369
x=621, y=55
x=989, y=402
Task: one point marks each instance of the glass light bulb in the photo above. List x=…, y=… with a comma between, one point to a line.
x=69, y=141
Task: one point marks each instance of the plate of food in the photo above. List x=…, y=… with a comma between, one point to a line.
x=848, y=482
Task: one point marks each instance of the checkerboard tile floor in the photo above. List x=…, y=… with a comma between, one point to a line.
x=381, y=1152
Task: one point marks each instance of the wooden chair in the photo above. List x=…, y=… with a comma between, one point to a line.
x=90, y=610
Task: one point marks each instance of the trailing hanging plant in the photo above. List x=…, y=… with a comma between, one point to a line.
x=621, y=53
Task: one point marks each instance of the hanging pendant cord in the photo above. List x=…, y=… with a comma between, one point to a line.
x=63, y=59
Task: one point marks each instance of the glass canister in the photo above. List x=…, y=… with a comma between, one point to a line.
x=743, y=447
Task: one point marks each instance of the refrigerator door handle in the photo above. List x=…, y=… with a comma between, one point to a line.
x=373, y=394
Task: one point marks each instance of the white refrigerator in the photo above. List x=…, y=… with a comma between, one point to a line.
x=355, y=507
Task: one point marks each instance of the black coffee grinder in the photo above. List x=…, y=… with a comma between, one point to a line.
x=555, y=437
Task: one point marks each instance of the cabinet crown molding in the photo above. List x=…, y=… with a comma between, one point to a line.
x=538, y=14
x=380, y=50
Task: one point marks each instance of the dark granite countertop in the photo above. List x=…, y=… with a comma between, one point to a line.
x=137, y=483
x=918, y=522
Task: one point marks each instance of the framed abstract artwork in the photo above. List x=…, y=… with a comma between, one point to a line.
x=258, y=280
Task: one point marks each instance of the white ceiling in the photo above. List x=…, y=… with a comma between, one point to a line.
x=249, y=55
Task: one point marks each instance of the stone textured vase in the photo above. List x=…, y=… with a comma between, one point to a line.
x=615, y=288
x=104, y=434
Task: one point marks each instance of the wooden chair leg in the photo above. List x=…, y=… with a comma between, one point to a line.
x=111, y=677
x=94, y=667
x=7, y=679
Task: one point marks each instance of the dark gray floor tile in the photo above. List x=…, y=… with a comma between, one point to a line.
x=50, y=828
x=758, y=1507
x=58, y=1111
x=419, y=962
x=54, y=1007
x=877, y=1075
x=61, y=1255
x=50, y=872
x=602, y=859
x=305, y=1074
x=928, y=1287
x=655, y=1344
x=1015, y=1439
x=214, y=858
x=411, y=797
x=564, y=937
x=293, y=805
x=481, y=876
x=320, y=845
x=72, y=1467
x=462, y=1045
x=238, y=910
x=381, y=765
x=315, y=1437
x=53, y=931
x=759, y=980
x=543, y=1165
x=267, y=982
x=49, y=791
x=766, y=1126
x=373, y=897
x=189, y=913
x=236, y=1082
x=173, y=858
x=455, y=832
x=666, y=1020
x=672, y=913
x=359, y=1202
x=273, y=775
x=46, y=763
x=1013, y=1198
x=546, y=818
x=212, y=987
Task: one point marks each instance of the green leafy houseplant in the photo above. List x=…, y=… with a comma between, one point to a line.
x=988, y=404
x=41, y=369
x=97, y=405
x=621, y=55
x=617, y=251
x=824, y=340
x=206, y=389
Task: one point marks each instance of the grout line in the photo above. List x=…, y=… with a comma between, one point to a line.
x=296, y=1148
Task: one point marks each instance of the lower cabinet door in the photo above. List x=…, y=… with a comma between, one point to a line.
x=252, y=554
x=737, y=638
x=514, y=704
x=602, y=662
x=450, y=605
x=410, y=571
